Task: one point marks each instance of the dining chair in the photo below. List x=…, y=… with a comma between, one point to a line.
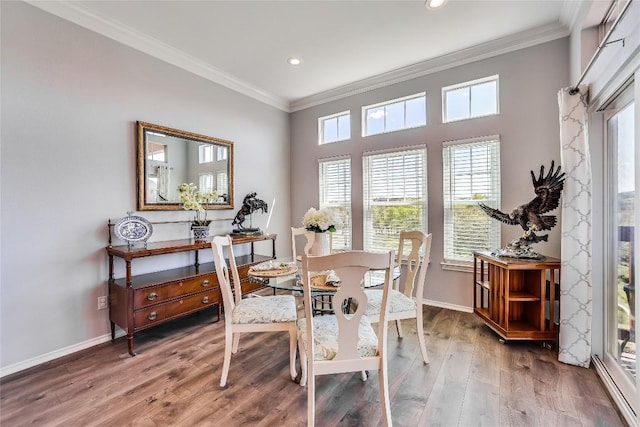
x=344, y=341
x=263, y=314
x=300, y=231
x=402, y=303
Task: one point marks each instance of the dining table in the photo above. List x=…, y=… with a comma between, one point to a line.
x=285, y=274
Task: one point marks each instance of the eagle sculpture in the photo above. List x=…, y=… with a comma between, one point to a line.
x=531, y=216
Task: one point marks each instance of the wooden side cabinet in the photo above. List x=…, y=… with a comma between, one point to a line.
x=517, y=298
x=137, y=302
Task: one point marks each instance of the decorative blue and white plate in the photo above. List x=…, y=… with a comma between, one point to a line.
x=133, y=229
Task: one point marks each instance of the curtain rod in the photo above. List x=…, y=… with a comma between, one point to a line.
x=603, y=43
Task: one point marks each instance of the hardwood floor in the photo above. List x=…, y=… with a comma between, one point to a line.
x=472, y=380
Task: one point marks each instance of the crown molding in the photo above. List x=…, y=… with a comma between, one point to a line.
x=78, y=15
x=490, y=49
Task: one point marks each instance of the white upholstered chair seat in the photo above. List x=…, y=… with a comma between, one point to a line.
x=325, y=333
x=398, y=302
x=271, y=309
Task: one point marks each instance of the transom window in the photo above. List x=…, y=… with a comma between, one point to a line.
x=335, y=193
x=205, y=153
x=402, y=113
x=334, y=128
x=394, y=196
x=468, y=100
x=471, y=174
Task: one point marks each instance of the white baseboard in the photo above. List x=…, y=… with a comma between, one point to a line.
x=614, y=392
x=47, y=357
x=448, y=306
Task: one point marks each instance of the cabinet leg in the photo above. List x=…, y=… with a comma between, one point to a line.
x=113, y=331
x=130, y=344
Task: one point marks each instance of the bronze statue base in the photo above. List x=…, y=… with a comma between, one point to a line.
x=247, y=231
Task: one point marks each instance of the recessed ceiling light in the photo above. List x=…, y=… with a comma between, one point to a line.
x=294, y=61
x=435, y=4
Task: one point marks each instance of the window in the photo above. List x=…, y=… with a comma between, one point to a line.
x=471, y=174
x=470, y=99
x=205, y=183
x=335, y=193
x=620, y=203
x=334, y=128
x=222, y=153
x=402, y=113
x=394, y=196
x=222, y=183
x=205, y=153
x=157, y=152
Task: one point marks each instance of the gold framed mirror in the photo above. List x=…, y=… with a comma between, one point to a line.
x=168, y=157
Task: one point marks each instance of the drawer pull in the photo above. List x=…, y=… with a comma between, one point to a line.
x=205, y=300
x=205, y=282
x=152, y=296
x=153, y=315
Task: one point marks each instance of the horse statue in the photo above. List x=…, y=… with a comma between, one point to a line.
x=250, y=204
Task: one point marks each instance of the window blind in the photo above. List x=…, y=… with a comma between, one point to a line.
x=335, y=193
x=394, y=196
x=471, y=174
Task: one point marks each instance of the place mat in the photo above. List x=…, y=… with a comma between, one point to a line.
x=276, y=272
x=319, y=281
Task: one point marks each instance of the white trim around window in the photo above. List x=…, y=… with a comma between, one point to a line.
x=397, y=114
x=394, y=195
x=334, y=128
x=472, y=99
x=471, y=174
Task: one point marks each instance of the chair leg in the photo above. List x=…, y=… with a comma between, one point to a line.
x=384, y=393
x=399, y=328
x=303, y=362
x=292, y=352
x=228, y=340
x=236, y=342
x=311, y=401
x=420, y=330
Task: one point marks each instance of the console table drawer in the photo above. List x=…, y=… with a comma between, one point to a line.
x=160, y=293
x=162, y=312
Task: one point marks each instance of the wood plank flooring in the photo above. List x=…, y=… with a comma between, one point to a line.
x=471, y=380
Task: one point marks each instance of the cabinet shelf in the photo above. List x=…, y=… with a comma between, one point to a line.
x=512, y=296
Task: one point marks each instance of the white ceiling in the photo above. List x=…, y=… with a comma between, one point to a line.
x=345, y=46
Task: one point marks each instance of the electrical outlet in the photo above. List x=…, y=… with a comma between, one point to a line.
x=102, y=303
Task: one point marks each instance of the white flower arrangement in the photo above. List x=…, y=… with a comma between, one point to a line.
x=193, y=200
x=322, y=220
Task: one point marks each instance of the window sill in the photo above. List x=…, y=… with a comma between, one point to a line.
x=463, y=266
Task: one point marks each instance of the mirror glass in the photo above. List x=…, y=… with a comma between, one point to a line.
x=169, y=157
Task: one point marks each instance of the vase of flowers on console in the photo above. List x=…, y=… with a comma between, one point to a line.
x=194, y=200
x=321, y=222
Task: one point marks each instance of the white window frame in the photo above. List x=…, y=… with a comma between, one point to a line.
x=205, y=153
x=470, y=84
x=206, y=182
x=370, y=183
x=337, y=116
x=385, y=104
x=465, y=183
x=342, y=238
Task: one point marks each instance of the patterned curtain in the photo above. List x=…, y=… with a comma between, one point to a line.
x=575, y=275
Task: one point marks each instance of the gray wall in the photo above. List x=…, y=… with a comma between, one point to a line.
x=70, y=99
x=527, y=125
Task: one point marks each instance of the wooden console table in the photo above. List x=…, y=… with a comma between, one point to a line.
x=137, y=302
x=515, y=298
